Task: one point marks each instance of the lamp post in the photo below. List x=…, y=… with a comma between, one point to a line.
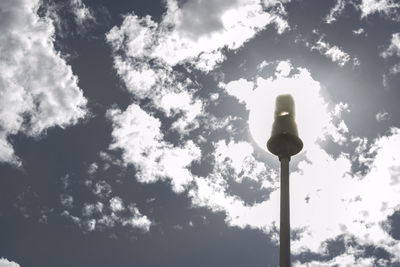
x=284, y=143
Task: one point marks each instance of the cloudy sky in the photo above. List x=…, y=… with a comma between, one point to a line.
x=132, y=133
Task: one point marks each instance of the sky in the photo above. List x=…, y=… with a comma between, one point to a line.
x=133, y=133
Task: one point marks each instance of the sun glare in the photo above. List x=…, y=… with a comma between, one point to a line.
x=311, y=114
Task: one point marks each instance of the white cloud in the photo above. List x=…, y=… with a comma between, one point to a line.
x=38, y=88
x=81, y=12
x=137, y=220
x=195, y=32
x=89, y=225
x=393, y=50
x=71, y=217
x=145, y=51
x=382, y=116
x=116, y=204
x=61, y=13
x=93, y=168
x=106, y=213
x=102, y=189
x=139, y=137
x=91, y=209
x=262, y=65
x=359, y=31
x=394, y=47
x=6, y=263
x=350, y=258
x=283, y=69
x=334, y=53
x=139, y=78
x=341, y=204
x=181, y=102
x=65, y=180
x=161, y=85
x=238, y=157
x=386, y=7
x=67, y=201
x=134, y=218
x=326, y=201
x=335, y=11
x=96, y=217
x=212, y=191
x=395, y=69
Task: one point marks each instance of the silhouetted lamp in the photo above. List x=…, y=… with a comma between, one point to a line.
x=284, y=143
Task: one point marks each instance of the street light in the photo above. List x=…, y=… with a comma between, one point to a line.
x=284, y=143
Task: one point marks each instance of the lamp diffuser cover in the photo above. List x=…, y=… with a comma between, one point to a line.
x=284, y=141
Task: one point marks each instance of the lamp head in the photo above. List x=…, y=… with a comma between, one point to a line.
x=284, y=141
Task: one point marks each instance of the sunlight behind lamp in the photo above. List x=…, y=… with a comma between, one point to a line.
x=284, y=141
x=312, y=113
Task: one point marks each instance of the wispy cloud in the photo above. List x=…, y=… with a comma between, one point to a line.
x=352, y=257
x=82, y=13
x=334, y=53
x=394, y=47
x=391, y=51
x=382, y=116
x=67, y=201
x=335, y=11
x=105, y=212
x=387, y=7
x=83, y=17
x=359, y=31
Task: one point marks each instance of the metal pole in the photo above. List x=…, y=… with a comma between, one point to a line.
x=284, y=236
